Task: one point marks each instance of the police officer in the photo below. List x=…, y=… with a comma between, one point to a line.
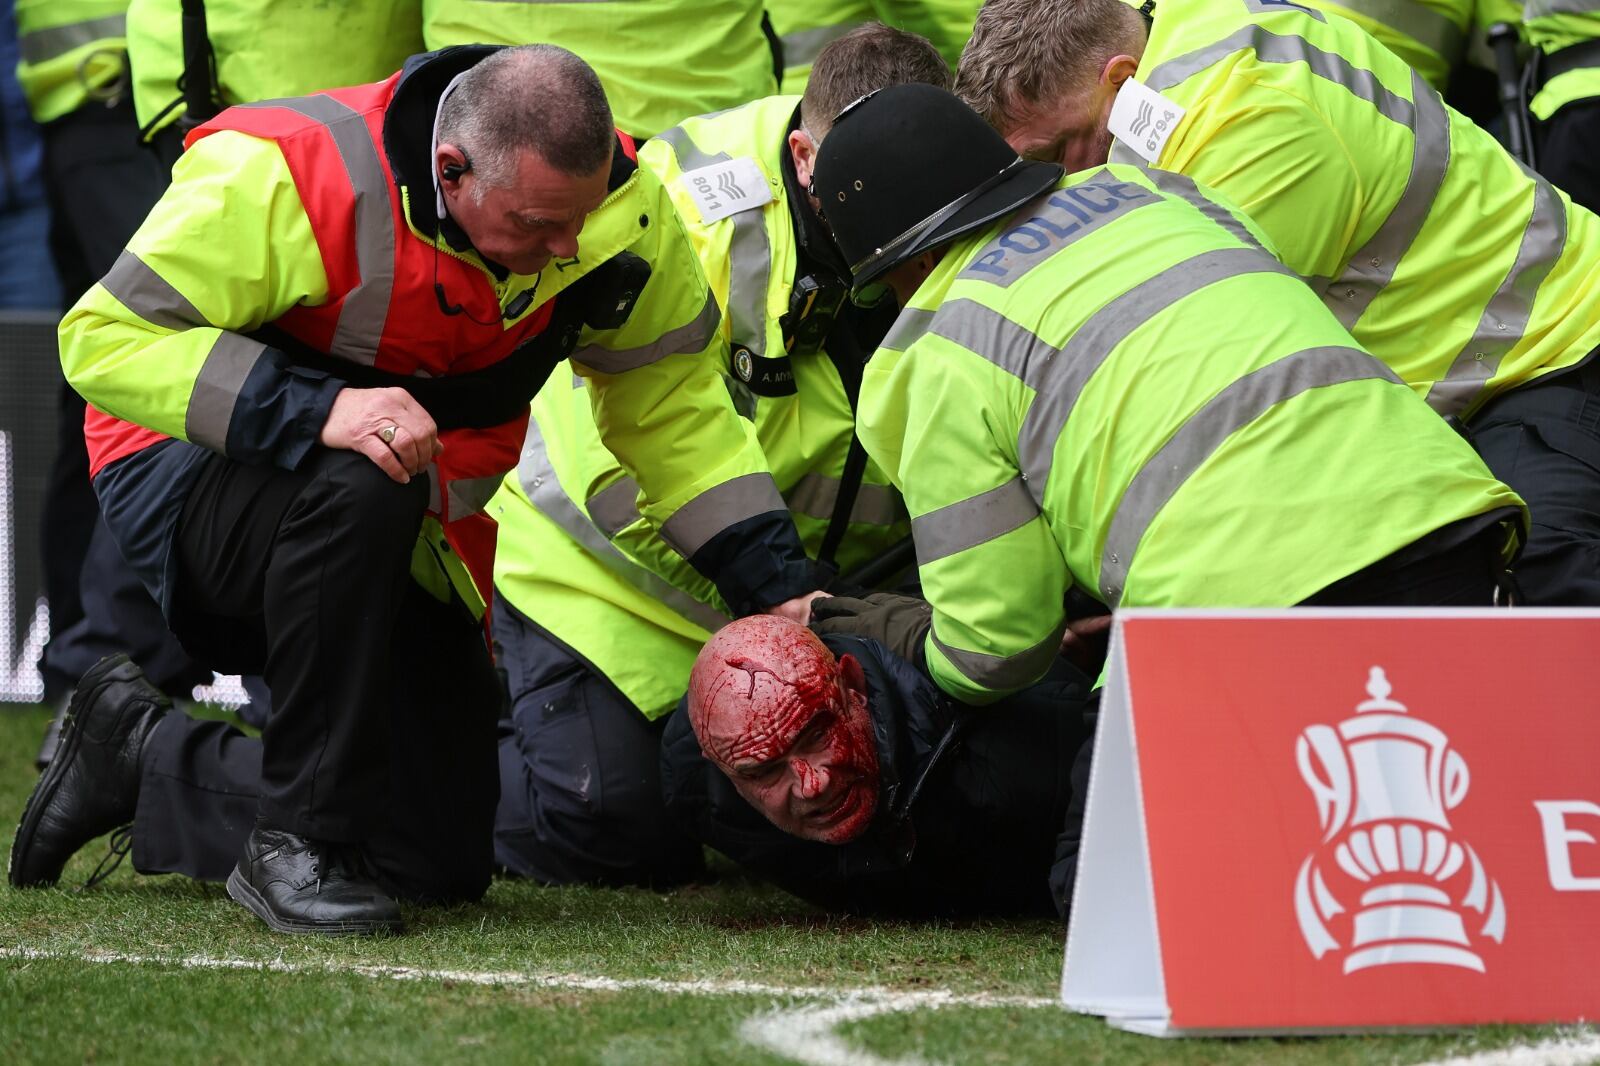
x=329, y=330
x=1071, y=398
x=1473, y=279
x=245, y=50
x=659, y=61
x=600, y=617
x=806, y=27
x=1566, y=101
x=1430, y=35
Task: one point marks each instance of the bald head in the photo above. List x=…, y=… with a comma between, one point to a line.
x=789, y=725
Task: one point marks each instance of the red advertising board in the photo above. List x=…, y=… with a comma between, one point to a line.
x=1335, y=820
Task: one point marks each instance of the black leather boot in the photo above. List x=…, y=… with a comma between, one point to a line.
x=92, y=784
x=52, y=735
x=297, y=885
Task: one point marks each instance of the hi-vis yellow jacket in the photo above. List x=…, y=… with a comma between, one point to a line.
x=1430, y=35
x=266, y=49
x=1551, y=25
x=230, y=247
x=73, y=51
x=659, y=61
x=571, y=546
x=806, y=27
x=1118, y=388
x=1446, y=258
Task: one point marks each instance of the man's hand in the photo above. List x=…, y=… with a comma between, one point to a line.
x=797, y=609
x=385, y=425
x=899, y=623
x=1084, y=641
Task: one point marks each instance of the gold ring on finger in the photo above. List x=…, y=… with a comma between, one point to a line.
x=386, y=434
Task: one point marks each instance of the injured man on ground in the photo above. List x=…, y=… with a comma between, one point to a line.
x=838, y=770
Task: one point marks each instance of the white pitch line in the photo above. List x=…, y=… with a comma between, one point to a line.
x=1579, y=1049
x=804, y=1034
x=894, y=999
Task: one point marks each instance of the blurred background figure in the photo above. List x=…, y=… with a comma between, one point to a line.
x=806, y=27
x=659, y=61
x=1565, y=81
x=26, y=280
x=100, y=184
x=203, y=57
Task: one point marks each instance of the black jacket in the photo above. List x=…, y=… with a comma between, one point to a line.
x=970, y=804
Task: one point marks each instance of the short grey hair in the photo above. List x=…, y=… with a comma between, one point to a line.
x=1027, y=53
x=533, y=97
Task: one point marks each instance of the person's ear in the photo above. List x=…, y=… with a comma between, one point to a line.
x=803, y=153
x=452, y=164
x=1117, y=70
x=852, y=676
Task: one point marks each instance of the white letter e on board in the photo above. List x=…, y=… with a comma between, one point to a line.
x=1557, y=838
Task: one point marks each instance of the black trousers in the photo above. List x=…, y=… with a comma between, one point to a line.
x=101, y=184
x=1465, y=575
x=1543, y=440
x=384, y=700
x=580, y=773
x=1569, y=151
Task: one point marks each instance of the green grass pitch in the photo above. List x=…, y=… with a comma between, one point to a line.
x=164, y=970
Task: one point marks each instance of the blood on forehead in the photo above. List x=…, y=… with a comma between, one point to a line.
x=755, y=687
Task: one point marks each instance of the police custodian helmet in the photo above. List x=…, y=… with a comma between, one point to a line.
x=910, y=168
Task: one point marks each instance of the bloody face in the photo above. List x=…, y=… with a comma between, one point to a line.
x=789, y=726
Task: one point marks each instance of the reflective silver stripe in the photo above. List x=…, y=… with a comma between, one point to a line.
x=1506, y=317
x=1121, y=153
x=538, y=480
x=997, y=672
x=435, y=497
x=692, y=336
x=749, y=252
x=470, y=495
x=1273, y=7
x=615, y=507
x=361, y=318
x=1184, y=188
x=1229, y=411
x=717, y=508
x=802, y=47
x=1275, y=48
x=1015, y=349
x=1542, y=8
x=816, y=495
x=750, y=266
x=39, y=46
x=912, y=323
x=217, y=388
x=976, y=520
x=1092, y=344
x=149, y=295
x=1428, y=27
x=1052, y=221
x=1373, y=264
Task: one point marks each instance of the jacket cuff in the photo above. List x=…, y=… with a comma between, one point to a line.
x=756, y=563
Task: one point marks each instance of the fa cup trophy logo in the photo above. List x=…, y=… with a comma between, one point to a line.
x=1384, y=784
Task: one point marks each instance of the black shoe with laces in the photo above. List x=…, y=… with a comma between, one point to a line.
x=297, y=885
x=92, y=784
